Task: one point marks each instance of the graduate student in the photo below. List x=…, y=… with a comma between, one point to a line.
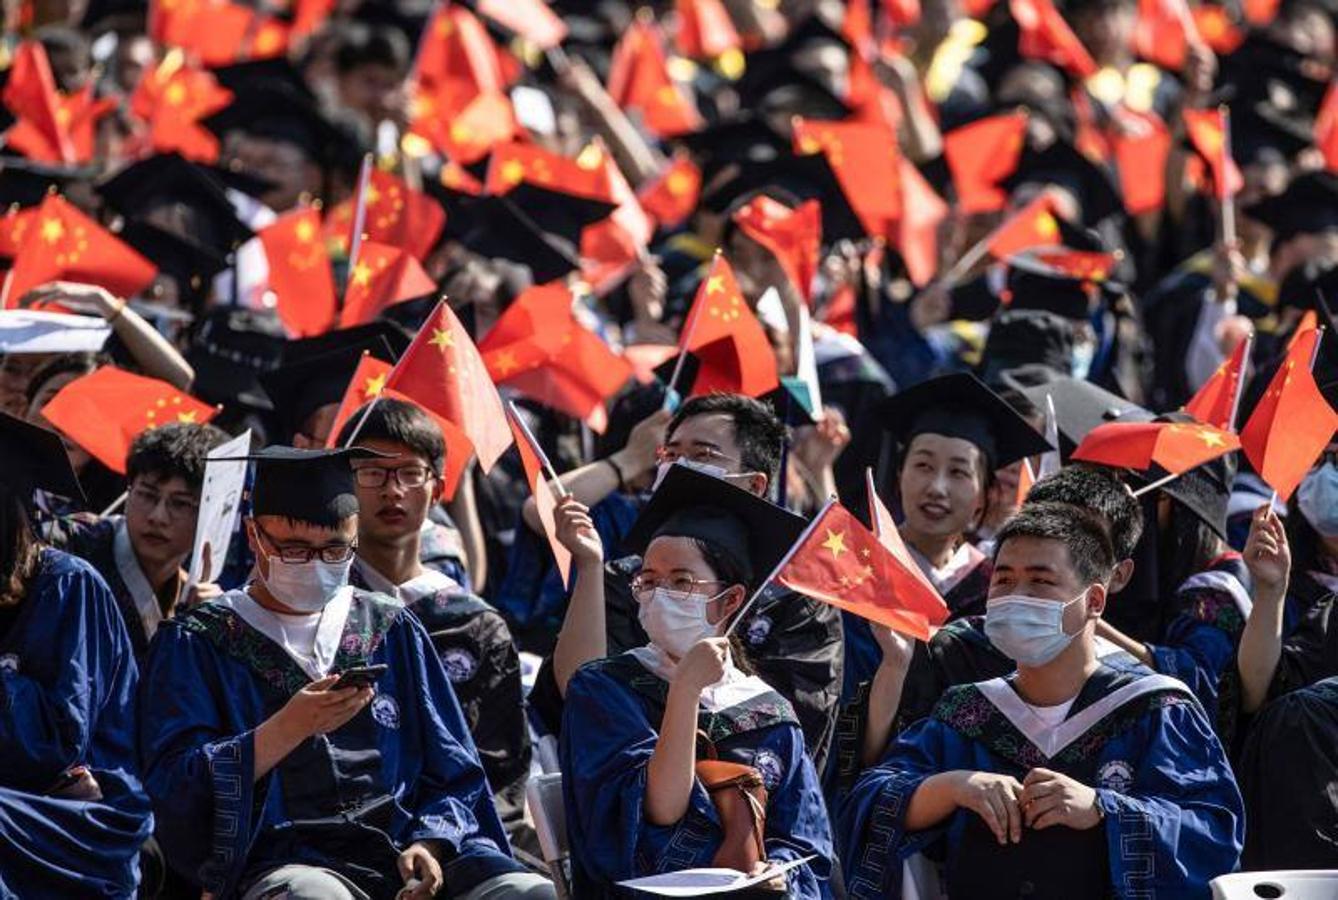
x=73, y=814
x=269, y=773
x=395, y=493
x=639, y=727
x=1071, y=778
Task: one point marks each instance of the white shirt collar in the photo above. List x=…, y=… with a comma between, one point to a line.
x=316, y=660
x=731, y=690
x=127, y=566
x=425, y=584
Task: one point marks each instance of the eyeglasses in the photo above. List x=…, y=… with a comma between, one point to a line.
x=645, y=585
x=177, y=507
x=405, y=476
x=708, y=455
x=335, y=553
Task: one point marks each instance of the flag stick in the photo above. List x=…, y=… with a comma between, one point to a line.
x=549, y=471
x=1149, y=488
x=359, y=218
x=789, y=554
x=115, y=505
x=1227, y=200
x=967, y=261
x=1240, y=380
x=362, y=420
x=683, y=339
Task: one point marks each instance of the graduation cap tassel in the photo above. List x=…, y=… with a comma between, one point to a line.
x=784, y=561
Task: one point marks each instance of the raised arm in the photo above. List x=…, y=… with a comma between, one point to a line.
x=583, y=637
x=1269, y=558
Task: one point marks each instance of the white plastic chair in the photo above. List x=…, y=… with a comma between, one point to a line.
x=1295, y=884
x=543, y=794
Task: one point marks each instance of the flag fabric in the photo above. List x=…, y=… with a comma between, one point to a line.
x=464, y=124
x=1326, y=128
x=1216, y=27
x=1140, y=162
x=512, y=164
x=172, y=98
x=443, y=372
x=1216, y=401
x=1026, y=479
x=218, y=33
x=640, y=83
x=1044, y=35
x=30, y=94
x=455, y=49
x=865, y=158
x=105, y=410
x=532, y=459
x=672, y=196
x=840, y=562
x=743, y=362
x=1035, y=225
x=1084, y=265
x=1308, y=321
x=381, y=277
x=1207, y=130
x=299, y=272
x=1176, y=447
x=14, y=225
x=1164, y=32
x=611, y=247
x=368, y=383
x=922, y=212
x=1292, y=424
x=794, y=236
x=885, y=529
x=532, y=20
x=61, y=243
x=705, y=30
x=980, y=155
x=396, y=214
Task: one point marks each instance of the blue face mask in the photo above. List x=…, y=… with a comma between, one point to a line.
x=1028, y=630
x=1318, y=499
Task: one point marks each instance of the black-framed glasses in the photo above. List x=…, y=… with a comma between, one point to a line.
x=177, y=507
x=645, y=585
x=334, y=553
x=405, y=476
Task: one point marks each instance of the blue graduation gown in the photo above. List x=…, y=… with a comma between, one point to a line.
x=403, y=770
x=67, y=698
x=609, y=730
x=1173, y=815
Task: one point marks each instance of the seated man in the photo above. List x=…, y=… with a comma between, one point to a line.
x=395, y=496
x=73, y=815
x=141, y=554
x=1071, y=778
x=272, y=776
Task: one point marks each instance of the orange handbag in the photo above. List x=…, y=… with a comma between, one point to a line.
x=740, y=799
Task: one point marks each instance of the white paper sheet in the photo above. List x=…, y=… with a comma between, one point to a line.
x=700, y=882
x=220, y=500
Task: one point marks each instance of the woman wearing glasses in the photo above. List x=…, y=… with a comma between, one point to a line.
x=635, y=726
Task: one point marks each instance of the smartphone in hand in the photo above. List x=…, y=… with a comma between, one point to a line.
x=359, y=677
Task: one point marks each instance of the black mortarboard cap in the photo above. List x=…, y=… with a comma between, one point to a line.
x=754, y=533
x=1061, y=164
x=275, y=71
x=1081, y=406
x=790, y=92
x=169, y=180
x=557, y=213
x=315, y=486
x=806, y=177
x=33, y=458
x=1204, y=490
x=498, y=229
x=193, y=267
x=26, y=183
x=304, y=384
x=746, y=140
x=1260, y=133
x=961, y=406
x=1032, y=284
x=230, y=349
x=1024, y=337
x=396, y=339
x=1308, y=206
x=282, y=114
x=234, y=176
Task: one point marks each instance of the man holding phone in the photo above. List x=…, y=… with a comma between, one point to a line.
x=270, y=776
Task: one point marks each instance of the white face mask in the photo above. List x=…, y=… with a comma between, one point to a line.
x=305, y=587
x=705, y=468
x=1028, y=630
x=1317, y=499
x=674, y=620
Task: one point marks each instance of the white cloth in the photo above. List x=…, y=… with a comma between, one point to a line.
x=30, y=331
x=310, y=639
x=127, y=566
x=731, y=690
x=429, y=582
x=1051, y=716
x=1205, y=350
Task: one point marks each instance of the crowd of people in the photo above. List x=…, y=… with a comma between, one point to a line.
x=552, y=336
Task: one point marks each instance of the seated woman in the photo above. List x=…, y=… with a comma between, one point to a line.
x=637, y=726
x=73, y=815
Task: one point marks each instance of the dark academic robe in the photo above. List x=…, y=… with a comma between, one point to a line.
x=792, y=642
x=475, y=648
x=1173, y=815
x=67, y=698
x=403, y=770
x=610, y=727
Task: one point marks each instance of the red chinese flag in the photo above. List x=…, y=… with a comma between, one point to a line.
x=512, y=164
x=455, y=47
x=840, y=562
x=610, y=248
x=172, y=98
x=396, y=215
x=105, y=411
x=1044, y=35
x=1164, y=32
x=1175, y=446
x=1207, y=132
x=1260, y=12
x=1035, y=225
x=1215, y=402
x=299, y=272
x=982, y=154
x=705, y=29
x=13, y=226
x=1085, y=265
x=922, y=212
x=1140, y=160
x=465, y=130
x=792, y=235
x=531, y=459
x=672, y=197
x=443, y=372
x=64, y=244
x=866, y=161
x=381, y=277
x=220, y=34
x=885, y=529
x=532, y=20
x=1292, y=424
x=1308, y=321
x=744, y=362
x=639, y=82
x=1026, y=478
x=30, y=94
x=1217, y=29
x=1326, y=128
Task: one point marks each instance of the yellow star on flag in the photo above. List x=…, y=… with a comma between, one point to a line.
x=836, y=542
x=186, y=417
x=362, y=275
x=305, y=231
x=374, y=385
x=52, y=230
x=513, y=171
x=715, y=284
x=505, y=361
x=441, y=338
